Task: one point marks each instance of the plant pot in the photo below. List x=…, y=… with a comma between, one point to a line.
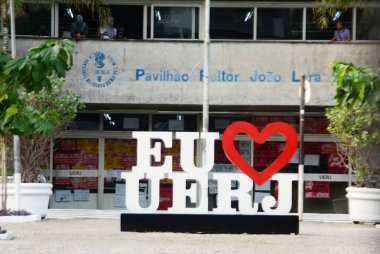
x=34, y=197
x=364, y=204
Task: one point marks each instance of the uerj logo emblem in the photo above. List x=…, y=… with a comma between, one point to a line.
x=99, y=70
x=192, y=183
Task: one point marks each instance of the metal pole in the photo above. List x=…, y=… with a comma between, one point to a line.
x=13, y=28
x=205, y=105
x=17, y=173
x=301, y=151
x=16, y=139
x=206, y=70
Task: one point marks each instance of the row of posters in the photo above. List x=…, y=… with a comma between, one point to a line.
x=79, y=154
x=313, y=125
x=76, y=182
x=322, y=156
x=120, y=154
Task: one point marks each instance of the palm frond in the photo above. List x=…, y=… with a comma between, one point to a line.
x=324, y=14
x=99, y=7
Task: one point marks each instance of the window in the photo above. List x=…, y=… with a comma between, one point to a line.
x=279, y=24
x=176, y=22
x=174, y=123
x=313, y=124
x=367, y=27
x=314, y=33
x=128, y=21
x=85, y=122
x=148, y=23
x=123, y=122
x=67, y=16
x=231, y=23
x=320, y=158
x=76, y=154
x=220, y=123
x=35, y=19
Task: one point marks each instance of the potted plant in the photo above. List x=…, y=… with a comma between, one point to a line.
x=354, y=121
x=35, y=108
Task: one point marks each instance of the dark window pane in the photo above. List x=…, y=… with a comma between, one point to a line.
x=176, y=22
x=325, y=197
x=231, y=23
x=279, y=24
x=125, y=122
x=85, y=122
x=220, y=123
x=148, y=23
x=313, y=124
x=34, y=20
x=368, y=24
x=67, y=16
x=128, y=20
x=175, y=123
x=314, y=33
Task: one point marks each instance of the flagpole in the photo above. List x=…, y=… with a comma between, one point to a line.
x=205, y=103
x=206, y=70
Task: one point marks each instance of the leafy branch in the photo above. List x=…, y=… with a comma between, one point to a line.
x=355, y=120
x=327, y=10
x=33, y=102
x=356, y=85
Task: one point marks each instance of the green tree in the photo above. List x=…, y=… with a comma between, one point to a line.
x=356, y=86
x=355, y=120
x=31, y=102
x=49, y=111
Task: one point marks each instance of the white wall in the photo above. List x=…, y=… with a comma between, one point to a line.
x=237, y=58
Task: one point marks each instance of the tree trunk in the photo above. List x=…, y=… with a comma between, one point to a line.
x=3, y=163
x=4, y=15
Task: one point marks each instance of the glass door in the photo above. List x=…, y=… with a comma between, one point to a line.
x=75, y=173
x=119, y=156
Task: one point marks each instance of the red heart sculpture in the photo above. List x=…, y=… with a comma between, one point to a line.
x=234, y=156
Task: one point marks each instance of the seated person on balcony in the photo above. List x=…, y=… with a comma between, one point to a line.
x=79, y=28
x=121, y=33
x=109, y=32
x=341, y=34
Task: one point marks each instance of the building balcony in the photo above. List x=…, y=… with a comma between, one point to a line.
x=242, y=73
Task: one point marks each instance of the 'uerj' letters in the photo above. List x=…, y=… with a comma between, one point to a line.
x=198, y=191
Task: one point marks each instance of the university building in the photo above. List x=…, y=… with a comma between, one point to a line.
x=150, y=79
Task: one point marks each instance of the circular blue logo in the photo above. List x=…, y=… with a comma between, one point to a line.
x=99, y=70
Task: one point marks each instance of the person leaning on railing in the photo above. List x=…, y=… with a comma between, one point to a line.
x=79, y=29
x=342, y=34
x=109, y=32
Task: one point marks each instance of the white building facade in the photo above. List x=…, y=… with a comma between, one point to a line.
x=150, y=79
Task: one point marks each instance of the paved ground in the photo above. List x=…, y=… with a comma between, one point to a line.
x=103, y=236
x=115, y=214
